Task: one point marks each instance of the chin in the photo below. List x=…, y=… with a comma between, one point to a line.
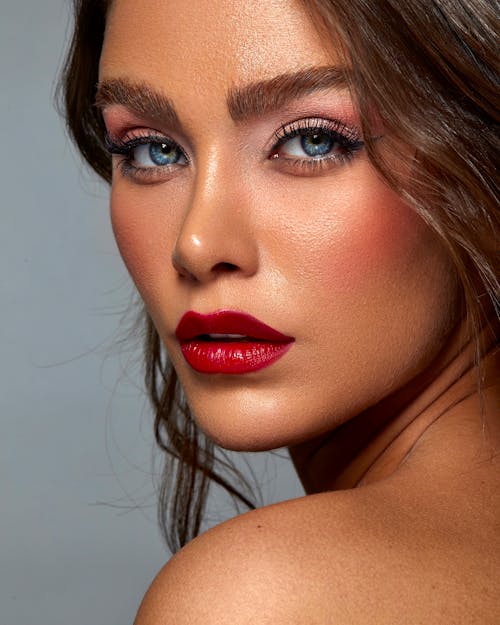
x=243, y=430
x=257, y=420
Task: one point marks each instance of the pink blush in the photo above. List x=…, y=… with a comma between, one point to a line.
x=378, y=237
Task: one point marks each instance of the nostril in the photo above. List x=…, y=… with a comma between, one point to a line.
x=224, y=267
x=181, y=270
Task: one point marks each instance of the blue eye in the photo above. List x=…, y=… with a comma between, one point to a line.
x=156, y=154
x=313, y=144
x=149, y=157
x=317, y=144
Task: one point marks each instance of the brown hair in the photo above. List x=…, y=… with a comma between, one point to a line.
x=429, y=70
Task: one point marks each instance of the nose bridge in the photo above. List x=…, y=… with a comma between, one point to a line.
x=215, y=236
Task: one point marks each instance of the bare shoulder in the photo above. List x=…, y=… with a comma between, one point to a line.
x=259, y=567
x=334, y=558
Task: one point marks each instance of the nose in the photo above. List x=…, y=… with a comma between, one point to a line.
x=216, y=237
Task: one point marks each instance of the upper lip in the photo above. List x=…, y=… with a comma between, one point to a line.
x=193, y=324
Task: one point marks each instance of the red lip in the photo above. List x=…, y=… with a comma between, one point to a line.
x=260, y=347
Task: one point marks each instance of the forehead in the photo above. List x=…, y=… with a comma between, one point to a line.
x=209, y=44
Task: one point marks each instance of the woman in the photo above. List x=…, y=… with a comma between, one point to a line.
x=304, y=195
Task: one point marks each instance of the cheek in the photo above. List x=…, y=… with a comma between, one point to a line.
x=377, y=239
x=137, y=223
x=356, y=235
x=376, y=287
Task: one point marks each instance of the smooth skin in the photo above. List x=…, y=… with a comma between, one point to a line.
x=377, y=398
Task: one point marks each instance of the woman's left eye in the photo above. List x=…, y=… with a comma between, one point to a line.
x=316, y=143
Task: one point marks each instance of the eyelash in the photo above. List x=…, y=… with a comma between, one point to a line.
x=344, y=137
x=125, y=147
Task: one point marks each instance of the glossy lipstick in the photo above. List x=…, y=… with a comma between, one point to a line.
x=229, y=342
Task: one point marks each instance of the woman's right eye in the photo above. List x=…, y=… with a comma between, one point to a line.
x=146, y=158
x=156, y=154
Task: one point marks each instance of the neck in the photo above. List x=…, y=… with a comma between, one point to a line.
x=374, y=444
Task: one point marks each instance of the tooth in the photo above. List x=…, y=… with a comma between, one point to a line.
x=227, y=336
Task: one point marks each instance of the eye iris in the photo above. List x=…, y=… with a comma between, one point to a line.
x=317, y=144
x=164, y=153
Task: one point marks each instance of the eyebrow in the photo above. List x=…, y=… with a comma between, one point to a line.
x=253, y=100
x=138, y=97
x=267, y=96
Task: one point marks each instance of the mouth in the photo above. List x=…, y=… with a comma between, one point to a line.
x=223, y=337
x=229, y=342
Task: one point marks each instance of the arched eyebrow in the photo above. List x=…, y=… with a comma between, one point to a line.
x=138, y=97
x=267, y=96
x=249, y=101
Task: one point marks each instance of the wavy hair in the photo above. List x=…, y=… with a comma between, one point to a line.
x=428, y=70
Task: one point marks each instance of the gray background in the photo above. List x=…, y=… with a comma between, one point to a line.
x=78, y=536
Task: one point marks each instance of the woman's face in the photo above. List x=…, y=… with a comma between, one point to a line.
x=240, y=183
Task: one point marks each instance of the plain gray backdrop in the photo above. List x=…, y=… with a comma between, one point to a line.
x=79, y=542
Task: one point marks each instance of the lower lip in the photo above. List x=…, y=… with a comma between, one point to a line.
x=232, y=357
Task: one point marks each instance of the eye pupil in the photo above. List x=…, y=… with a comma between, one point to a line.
x=317, y=144
x=164, y=153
